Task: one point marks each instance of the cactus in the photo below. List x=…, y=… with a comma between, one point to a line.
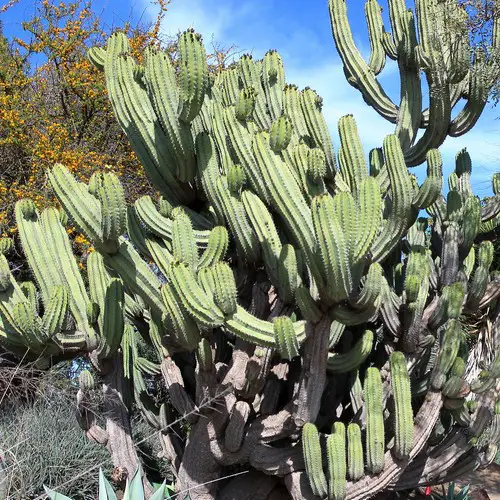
x=355, y=460
x=277, y=288
x=337, y=466
x=441, y=50
x=403, y=413
x=313, y=460
x=375, y=421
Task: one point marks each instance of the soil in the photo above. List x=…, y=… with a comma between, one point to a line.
x=484, y=482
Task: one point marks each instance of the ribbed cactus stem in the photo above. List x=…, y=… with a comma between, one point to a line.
x=313, y=460
x=403, y=413
x=375, y=435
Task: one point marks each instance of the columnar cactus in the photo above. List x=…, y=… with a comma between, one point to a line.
x=433, y=40
x=301, y=316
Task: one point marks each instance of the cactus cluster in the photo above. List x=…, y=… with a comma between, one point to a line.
x=432, y=42
x=301, y=315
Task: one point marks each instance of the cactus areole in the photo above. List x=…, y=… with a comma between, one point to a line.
x=302, y=317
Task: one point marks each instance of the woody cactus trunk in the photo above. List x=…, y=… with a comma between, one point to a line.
x=305, y=321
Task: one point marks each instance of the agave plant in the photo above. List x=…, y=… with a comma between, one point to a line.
x=462, y=494
x=133, y=490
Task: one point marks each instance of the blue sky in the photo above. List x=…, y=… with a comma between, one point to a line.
x=300, y=31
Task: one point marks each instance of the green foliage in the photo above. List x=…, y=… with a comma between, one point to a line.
x=133, y=490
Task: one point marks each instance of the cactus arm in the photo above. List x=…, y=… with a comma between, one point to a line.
x=397, y=10
x=159, y=252
x=409, y=116
x=184, y=247
x=333, y=247
x=285, y=337
x=477, y=97
x=280, y=134
x=249, y=72
x=369, y=217
x=225, y=288
x=193, y=74
x=209, y=171
x=439, y=92
x=403, y=413
x=292, y=107
x=337, y=467
x=318, y=129
x=248, y=327
x=241, y=140
x=389, y=46
x=28, y=326
x=136, y=275
x=135, y=115
x=431, y=188
x=370, y=293
x=164, y=94
x=373, y=14
x=113, y=210
x=245, y=104
x=236, y=218
x=343, y=363
x=34, y=244
x=389, y=308
x=448, y=351
x=216, y=247
x=450, y=255
x=288, y=278
x=266, y=232
x=471, y=224
x=314, y=460
x=400, y=216
x=415, y=310
x=352, y=161
x=308, y=307
x=113, y=321
x=363, y=76
x=136, y=232
x=163, y=226
x=288, y=199
x=355, y=461
x=54, y=251
x=273, y=79
x=192, y=297
x=184, y=327
x=375, y=435
x=99, y=280
x=97, y=57
x=228, y=81
x=83, y=208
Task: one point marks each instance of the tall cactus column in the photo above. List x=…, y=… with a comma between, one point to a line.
x=433, y=40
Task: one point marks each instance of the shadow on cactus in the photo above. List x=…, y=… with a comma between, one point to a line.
x=305, y=321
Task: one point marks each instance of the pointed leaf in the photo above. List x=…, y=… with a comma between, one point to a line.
x=105, y=489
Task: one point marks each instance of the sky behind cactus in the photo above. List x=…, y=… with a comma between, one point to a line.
x=300, y=31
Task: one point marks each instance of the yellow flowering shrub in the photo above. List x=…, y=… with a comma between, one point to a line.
x=58, y=111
